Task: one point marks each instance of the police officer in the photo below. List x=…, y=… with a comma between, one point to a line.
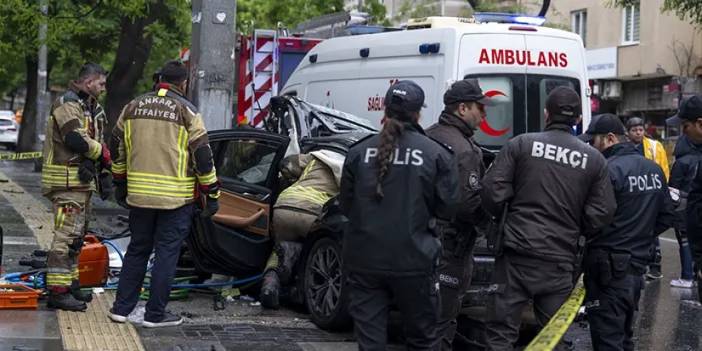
x=394, y=188
x=616, y=257
x=162, y=159
x=464, y=110
x=73, y=155
x=556, y=188
x=689, y=117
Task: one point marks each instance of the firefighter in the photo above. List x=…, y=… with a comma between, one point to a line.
x=395, y=187
x=616, y=257
x=162, y=158
x=555, y=188
x=464, y=111
x=294, y=212
x=689, y=117
x=73, y=156
x=654, y=151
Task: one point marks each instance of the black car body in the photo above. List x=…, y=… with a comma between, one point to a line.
x=236, y=241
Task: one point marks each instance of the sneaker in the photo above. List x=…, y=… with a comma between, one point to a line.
x=117, y=317
x=682, y=283
x=654, y=274
x=168, y=320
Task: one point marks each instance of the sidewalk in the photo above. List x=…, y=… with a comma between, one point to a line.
x=242, y=325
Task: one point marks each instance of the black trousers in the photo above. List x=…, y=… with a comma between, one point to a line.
x=164, y=232
x=611, y=309
x=455, y=272
x=520, y=279
x=417, y=298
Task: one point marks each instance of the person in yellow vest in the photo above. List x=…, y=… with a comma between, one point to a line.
x=73, y=154
x=162, y=160
x=653, y=150
x=316, y=178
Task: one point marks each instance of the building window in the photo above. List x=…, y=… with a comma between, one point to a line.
x=630, y=28
x=578, y=21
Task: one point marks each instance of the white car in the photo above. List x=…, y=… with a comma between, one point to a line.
x=9, y=130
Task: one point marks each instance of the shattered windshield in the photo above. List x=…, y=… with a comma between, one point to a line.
x=337, y=121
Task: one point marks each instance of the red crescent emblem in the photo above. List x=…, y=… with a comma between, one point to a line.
x=484, y=126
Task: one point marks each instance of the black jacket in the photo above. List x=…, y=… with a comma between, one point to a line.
x=454, y=132
x=644, y=206
x=556, y=188
x=392, y=235
x=685, y=165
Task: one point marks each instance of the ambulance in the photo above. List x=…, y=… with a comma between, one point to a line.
x=515, y=60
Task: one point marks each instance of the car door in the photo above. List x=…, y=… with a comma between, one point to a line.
x=236, y=240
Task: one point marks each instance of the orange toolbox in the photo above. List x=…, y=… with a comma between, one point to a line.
x=93, y=263
x=16, y=296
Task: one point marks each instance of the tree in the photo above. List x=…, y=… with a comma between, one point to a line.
x=685, y=9
x=289, y=13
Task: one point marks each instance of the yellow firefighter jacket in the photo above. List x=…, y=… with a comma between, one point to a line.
x=654, y=151
x=157, y=135
x=75, y=111
x=314, y=187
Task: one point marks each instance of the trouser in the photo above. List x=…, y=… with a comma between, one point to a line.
x=164, y=232
x=70, y=211
x=656, y=256
x=290, y=227
x=455, y=271
x=417, y=298
x=685, y=255
x=520, y=279
x=611, y=301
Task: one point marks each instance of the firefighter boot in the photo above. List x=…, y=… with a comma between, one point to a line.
x=62, y=299
x=279, y=270
x=78, y=294
x=270, y=290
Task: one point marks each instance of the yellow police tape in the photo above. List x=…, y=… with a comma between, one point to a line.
x=21, y=156
x=553, y=331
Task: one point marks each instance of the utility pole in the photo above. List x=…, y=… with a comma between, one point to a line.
x=212, y=61
x=40, y=119
x=443, y=8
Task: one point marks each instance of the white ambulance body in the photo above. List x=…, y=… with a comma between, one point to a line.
x=514, y=63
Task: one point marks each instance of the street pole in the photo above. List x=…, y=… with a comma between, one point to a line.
x=41, y=103
x=212, y=61
x=443, y=8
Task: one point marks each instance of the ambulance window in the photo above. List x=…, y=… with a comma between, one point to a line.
x=507, y=117
x=543, y=85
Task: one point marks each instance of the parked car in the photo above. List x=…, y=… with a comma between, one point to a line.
x=237, y=240
x=9, y=130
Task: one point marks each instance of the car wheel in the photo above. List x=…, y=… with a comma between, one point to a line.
x=325, y=294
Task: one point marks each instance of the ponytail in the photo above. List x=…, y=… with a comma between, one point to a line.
x=389, y=138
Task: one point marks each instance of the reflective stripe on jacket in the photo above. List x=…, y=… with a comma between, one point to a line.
x=75, y=111
x=156, y=136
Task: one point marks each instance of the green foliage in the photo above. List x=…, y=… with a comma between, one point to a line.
x=500, y=6
x=376, y=11
x=288, y=13
x=424, y=8
x=685, y=9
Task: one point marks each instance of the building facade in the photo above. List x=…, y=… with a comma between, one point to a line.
x=641, y=61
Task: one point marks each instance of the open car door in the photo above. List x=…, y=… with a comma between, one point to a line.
x=236, y=240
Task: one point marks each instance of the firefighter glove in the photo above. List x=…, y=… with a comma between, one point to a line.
x=211, y=207
x=105, y=158
x=86, y=171
x=121, y=192
x=105, y=182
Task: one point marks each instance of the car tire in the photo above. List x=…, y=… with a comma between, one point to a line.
x=324, y=284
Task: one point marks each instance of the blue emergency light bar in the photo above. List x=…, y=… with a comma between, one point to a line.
x=498, y=17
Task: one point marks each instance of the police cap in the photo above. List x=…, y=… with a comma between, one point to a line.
x=466, y=90
x=564, y=102
x=690, y=109
x=603, y=124
x=406, y=96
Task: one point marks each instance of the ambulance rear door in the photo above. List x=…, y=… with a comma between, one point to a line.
x=491, y=58
x=557, y=61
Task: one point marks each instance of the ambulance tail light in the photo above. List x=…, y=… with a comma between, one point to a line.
x=523, y=28
x=485, y=17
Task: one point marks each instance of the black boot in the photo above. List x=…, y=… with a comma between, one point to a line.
x=78, y=294
x=270, y=290
x=65, y=301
